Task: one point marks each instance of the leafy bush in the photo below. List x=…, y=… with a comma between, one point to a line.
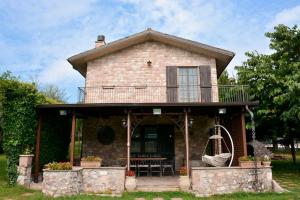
x=18, y=117
x=91, y=158
x=246, y=158
x=130, y=173
x=183, y=171
x=59, y=166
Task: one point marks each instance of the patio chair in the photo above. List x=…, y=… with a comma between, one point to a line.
x=155, y=167
x=143, y=167
x=168, y=164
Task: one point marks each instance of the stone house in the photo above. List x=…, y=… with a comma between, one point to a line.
x=153, y=95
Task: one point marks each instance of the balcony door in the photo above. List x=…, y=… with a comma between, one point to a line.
x=188, y=84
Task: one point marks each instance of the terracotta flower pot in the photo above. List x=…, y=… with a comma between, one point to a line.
x=85, y=163
x=130, y=183
x=25, y=160
x=184, y=183
x=249, y=164
x=266, y=163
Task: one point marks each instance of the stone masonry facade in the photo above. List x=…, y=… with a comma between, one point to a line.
x=220, y=180
x=128, y=67
x=104, y=180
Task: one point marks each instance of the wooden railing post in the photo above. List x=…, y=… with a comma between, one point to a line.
x=128, y=139
x=72, y=145
x=37, y=148
x=186, y=131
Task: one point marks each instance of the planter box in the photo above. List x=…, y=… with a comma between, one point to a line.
x=130, y=183
x=184, y=183
x=58, y=183
x=25, y=160
x=249, y=164
x=85, y=163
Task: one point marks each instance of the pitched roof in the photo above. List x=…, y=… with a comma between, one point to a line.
x=223, y=57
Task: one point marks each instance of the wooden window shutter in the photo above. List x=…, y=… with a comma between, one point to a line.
x=205, y=83
x=171, y=72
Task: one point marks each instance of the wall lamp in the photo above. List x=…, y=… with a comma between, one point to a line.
x=222, y=111
x=149, y=63
x=124, y=122
x=191, y=122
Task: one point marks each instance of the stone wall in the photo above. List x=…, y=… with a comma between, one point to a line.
x=129, y=67
x=109, y=153
x=62, y=182
x=109, y=180
x=84, y=180
x=220, y=180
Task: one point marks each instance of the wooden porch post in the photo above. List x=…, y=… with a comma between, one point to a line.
x=186, y=130
x=128, y=139
x=72, y=138
x=37, y=149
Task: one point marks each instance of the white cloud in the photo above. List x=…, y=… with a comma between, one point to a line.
x=290, y=16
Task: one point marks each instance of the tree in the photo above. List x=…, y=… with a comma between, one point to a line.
x=274, y=81
x=54, y=92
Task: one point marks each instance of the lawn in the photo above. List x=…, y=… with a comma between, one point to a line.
x=284, y=172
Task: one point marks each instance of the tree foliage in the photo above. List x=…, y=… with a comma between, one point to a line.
x=54, y=92
x=274, y=81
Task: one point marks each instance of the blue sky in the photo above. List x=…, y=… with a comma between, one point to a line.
x=36, y=36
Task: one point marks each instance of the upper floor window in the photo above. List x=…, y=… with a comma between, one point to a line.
x=188, y=84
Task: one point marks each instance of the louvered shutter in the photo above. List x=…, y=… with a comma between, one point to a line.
x=205, y=83
x=171, y=72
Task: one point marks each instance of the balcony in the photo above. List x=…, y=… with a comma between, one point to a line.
x=163, y=94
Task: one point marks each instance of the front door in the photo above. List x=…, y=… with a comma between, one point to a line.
x=153, y=141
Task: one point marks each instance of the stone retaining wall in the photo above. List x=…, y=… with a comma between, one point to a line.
x=103, y=180
x=219, y=180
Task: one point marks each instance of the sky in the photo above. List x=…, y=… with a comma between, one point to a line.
x=37, y=36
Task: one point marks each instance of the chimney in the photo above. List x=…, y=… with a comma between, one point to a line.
x=100, y=41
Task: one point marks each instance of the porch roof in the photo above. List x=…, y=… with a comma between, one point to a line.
x=118, y=108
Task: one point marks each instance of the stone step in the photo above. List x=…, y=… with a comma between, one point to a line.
x=157, y=188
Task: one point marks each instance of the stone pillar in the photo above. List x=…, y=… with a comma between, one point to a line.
x=24, y=170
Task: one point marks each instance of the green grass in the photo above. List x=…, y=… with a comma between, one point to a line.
x=287, y=174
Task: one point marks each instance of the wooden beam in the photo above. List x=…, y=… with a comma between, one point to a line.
x=186, y=131
x=128, y=139
x=72, y=145
x=37, y=148
x=243, y=127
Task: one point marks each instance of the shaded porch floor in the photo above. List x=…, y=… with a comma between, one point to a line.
x=157, y=184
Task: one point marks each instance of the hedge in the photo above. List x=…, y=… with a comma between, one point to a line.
x=18, y=101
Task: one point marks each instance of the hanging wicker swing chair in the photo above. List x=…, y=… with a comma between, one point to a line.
x=219, y=160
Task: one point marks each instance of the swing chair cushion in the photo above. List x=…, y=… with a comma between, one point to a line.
x=218, y=160
x=215, y=137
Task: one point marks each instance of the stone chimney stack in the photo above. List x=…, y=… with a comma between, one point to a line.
x=100, y=41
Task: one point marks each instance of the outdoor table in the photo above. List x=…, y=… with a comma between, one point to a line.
x=160, y=159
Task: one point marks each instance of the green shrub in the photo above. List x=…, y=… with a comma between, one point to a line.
x=91, y=158
x=18, y=117
x=59, y=166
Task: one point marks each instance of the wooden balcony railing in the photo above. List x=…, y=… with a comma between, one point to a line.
x=160, y=94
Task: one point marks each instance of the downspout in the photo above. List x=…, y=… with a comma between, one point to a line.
x=256, y=183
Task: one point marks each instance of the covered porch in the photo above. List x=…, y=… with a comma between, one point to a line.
x=129, y=135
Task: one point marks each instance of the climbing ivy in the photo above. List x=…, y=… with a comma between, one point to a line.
x=18, y=101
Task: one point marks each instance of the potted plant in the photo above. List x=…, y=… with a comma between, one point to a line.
x=266, y=161
x=130, y=181
x=91, y=161
x=25, y=159
x=184, y=179
x=249, y=162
